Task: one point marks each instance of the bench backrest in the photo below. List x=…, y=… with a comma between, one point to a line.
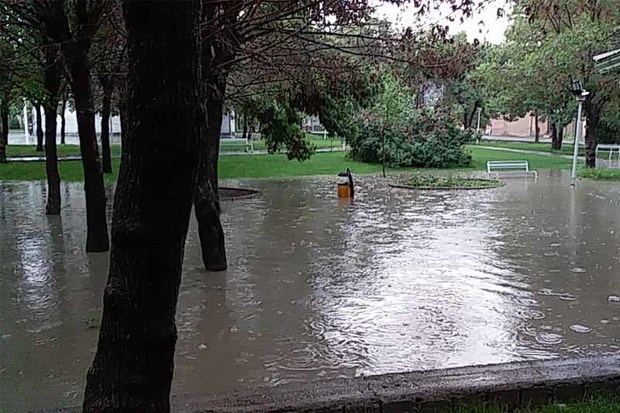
x=234, y=140
x=516, y=165
x=608, y=147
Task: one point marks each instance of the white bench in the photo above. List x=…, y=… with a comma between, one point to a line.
x=509, y=167
x=608, y=147
x=233, y=141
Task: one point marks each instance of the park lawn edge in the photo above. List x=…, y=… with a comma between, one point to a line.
x=278, y=167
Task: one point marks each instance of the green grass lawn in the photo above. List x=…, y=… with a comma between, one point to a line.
x=599, y=174
x=259, y=145
x=481, y=156
x=272, y=166
x=74, y=150
x=63, y=150
x=599, y=404
x=567, y=149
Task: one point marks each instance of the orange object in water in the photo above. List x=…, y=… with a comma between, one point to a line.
x=344, y=191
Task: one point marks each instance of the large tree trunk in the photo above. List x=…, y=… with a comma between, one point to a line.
x=122, y=105
x=4, y=130
x=106, y=156
x=63, y=109
x=133, y=367
x=37, y=109
x=51, y=80
x=96, y=221
x=593, y=119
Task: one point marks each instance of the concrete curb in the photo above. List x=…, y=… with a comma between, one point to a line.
x=512, y=385
x=522, y=384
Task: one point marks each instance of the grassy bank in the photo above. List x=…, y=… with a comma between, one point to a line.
x=567, y=149
x=273, y=166
x=599, y=404
x=599, y=174
x=74, y=150
x=63, y=150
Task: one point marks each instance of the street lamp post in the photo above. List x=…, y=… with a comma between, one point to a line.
x=581, y=94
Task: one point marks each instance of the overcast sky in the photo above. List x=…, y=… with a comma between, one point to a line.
x=492, y=30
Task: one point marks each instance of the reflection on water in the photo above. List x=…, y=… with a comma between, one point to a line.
x=317, y=287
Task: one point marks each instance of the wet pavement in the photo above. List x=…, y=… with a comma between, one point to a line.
x=320, y=288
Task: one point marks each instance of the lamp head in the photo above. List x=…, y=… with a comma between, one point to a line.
x=577, y=89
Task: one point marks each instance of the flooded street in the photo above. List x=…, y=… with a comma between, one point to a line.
x=319, y=288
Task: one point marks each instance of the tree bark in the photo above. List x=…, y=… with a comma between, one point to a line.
x=536, y=127
x=593, y=119
x=212, y=133
x=63, y=109
x=470, y=120
x=210, y=231
x=4, y=130
x=133, y=367
x=245, y=127
x=97, y=228
x=206, y=200
x=106, y=156
x=556, y=141
x=37, y=109
x=122, y=105
x=51, y=81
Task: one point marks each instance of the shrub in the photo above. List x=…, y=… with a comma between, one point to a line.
x=425, y=139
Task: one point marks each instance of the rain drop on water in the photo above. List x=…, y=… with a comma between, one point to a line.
x=578, y=328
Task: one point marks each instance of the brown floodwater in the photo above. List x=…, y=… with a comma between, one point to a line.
x=320, y=288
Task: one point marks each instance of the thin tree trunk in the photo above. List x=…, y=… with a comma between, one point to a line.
x=96, y=222
x=245, y=127
x=133, y=367
x=470, y=119
x=383, y=150
x=62, y=119
x=51, y=80
x=106, y=157
x=556, y=144
x=37, y=109
x=215, y=114
x=4, y=130
x=210, y=231
x=536, y=127
x=560, y=137
x=206, y=201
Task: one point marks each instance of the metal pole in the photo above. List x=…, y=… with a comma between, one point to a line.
x=573, y=177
